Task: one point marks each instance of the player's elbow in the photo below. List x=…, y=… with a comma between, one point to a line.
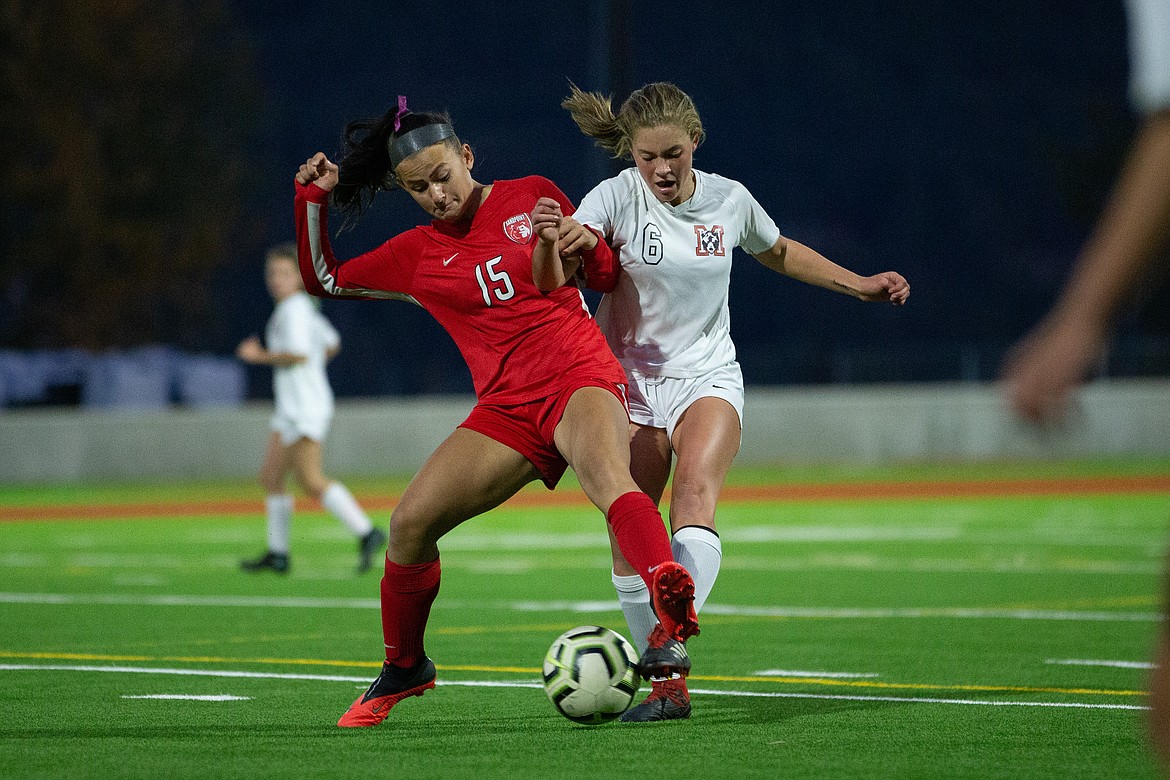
x=547, y=284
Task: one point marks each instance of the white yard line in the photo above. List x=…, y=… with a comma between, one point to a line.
x=934, y=612
x=585, y=607
x=189, y=601
x=1090, y=662
x=190, y=697
x=829, y=675
x=864, y=613
x=506, y=684
x=915, y=700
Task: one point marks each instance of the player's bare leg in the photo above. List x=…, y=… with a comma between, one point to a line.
x=306, y=458
x=705, y=441
x=468, y=474
x=593, y=436
x=278, y=509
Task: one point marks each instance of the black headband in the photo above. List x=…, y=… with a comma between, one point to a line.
x=417, y=139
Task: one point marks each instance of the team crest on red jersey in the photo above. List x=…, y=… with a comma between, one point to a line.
x=709, y=241
x=518, y=228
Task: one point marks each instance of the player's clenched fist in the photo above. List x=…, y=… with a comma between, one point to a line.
x=546, y=219
x=318, y=169
x=575, y=237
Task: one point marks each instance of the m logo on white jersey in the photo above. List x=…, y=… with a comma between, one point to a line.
x=518, y=228
x=709, y=241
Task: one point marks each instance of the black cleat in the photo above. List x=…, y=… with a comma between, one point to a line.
x=668, y=700
x=665, y=657
x=368, y=546
x=392, y=686
x=277, y=562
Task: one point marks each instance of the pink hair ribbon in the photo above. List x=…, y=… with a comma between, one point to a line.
x=402, y=111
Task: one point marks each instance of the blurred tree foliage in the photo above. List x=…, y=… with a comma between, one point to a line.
x=127, y=132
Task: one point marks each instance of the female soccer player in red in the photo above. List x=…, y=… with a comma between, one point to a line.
x=549, y=392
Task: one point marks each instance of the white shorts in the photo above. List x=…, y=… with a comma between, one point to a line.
x=659, y=401
x=291, y=429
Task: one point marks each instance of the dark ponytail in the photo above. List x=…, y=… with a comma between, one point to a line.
x=364, y=169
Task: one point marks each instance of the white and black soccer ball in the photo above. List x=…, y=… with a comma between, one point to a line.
x=591, y=674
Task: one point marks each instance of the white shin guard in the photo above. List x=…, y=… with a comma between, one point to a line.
x=699, y=550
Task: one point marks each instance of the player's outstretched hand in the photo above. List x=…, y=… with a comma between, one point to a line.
x=546, y=219
x=887, y=286
x=318, y=169
x=1041, y=372
x=575, y=237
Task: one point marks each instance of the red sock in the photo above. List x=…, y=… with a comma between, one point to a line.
x=640, y=533
x=407, y=595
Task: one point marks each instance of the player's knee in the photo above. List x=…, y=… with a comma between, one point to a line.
x=408, y=529
x=603, y=480
x=694, y=498
x=313, y=489
x=312, y=482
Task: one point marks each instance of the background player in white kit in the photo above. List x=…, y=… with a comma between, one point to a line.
x=299, y=343
x=666, y=318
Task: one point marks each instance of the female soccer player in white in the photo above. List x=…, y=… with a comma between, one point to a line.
x=300, y=341
x=665, y=315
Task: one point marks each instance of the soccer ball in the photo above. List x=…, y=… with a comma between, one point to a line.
x=591, y=675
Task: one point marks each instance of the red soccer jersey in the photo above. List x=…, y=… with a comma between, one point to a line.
x=477, y=282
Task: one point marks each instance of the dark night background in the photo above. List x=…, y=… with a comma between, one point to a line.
x=967, y=146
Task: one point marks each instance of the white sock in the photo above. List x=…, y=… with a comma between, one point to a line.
x=342, y=505
x=278, y=508
x=634, y=597
x=698, y=549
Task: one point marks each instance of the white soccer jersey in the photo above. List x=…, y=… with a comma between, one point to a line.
x=668, y=314
x=302, y=390
x=1149, y=49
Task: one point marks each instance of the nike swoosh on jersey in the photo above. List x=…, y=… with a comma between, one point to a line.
x=449, y=259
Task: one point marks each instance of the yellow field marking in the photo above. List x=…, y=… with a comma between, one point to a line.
x=730, y=620
x=834, y=682
x=447, y=631
x=241, y=640
x=463, y=630
x=916, y=686
x=473, y=668
x=1149, y=600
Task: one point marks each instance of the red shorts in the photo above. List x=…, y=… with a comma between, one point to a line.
x=528, y=427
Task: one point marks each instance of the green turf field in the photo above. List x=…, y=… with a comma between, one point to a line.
x=999, y=635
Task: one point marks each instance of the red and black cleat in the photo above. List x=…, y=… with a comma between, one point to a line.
x=673, y=597
x=665, y=656
x=668, y=700
x=392, y=686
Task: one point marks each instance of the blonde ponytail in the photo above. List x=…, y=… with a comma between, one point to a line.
x=593, y=113
x=656, y=104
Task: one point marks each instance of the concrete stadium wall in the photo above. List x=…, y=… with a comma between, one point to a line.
x=865, y=425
